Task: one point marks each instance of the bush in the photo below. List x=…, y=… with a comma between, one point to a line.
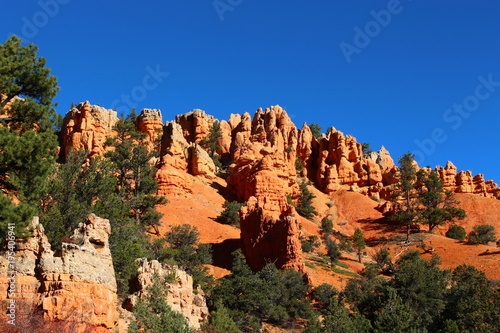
x=304, y=205
x=333, y=250
x=482, y=234
x=306, y=246
x=456, y=232
x=272, y=295
x=299, y=166
x=310, y=243
x=327, y=226
x=230, y=214
x=383, y=258
x=323, y=294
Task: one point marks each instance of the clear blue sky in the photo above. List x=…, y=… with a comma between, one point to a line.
x=391, y=82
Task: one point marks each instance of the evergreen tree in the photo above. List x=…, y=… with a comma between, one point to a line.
x=315, y=130
x=27, y=138
x=366, y=149
x=230, y=214
x=422, y=286
x=405, y=198
x=438, y=205
x=77, y=189
x=185, y=251
x=153, y=314
x=481, y=234
x=326, y=226
x=136, y=183
x=73, y=192
x=359, y=243
x=332, y=250
x=456, y=232
x=304, y=206
x=473, y=302
x=211, y=143
x=271, y=294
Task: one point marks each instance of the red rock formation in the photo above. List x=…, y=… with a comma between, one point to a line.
x=195, y=125
x=77, y=285
x=270, y=238
x=172, y=168
x=464, y=182
x=150, y=123
x=179, y=160
x=87, y=127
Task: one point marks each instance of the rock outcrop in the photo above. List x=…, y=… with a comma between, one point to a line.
x=78, y=284
x=86, y=127
x=464, y=182
x=179, y=160
x=270, y=238
x=195, y=125
x=150, y=122
x=263, y=174
x=181, y=296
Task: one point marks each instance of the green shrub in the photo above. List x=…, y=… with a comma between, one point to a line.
x=153, y=314
x=327, y=226
x=323, y=294
x=456, y=232
x=481, y=234
x=304, y=205
x=299, y=166
x=332, y=250
x=230, y=214
x=306, y=246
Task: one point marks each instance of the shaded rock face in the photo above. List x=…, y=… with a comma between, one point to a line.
x=86, y=127
x=181, y=297
x=79, y=285
x=270, y=239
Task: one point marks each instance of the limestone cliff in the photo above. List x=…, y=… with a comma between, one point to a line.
x=181, y=297
x=78, y=284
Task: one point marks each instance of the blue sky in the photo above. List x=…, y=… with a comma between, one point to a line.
x=416, y=76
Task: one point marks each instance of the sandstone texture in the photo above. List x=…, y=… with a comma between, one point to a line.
x=464, y=182
x=78, y=284
x=179, y=161
x=182, y=297
x=265, y=157
x=86, y=127
x=150, y=122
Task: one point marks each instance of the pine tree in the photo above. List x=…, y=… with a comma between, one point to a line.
x=359, y=243
x=211, y=143
x=315, y=130
x=153, y=314
x=27, y=138
x=438, y=205
x=136, y=183
x=304, y=206
x=405, y=198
